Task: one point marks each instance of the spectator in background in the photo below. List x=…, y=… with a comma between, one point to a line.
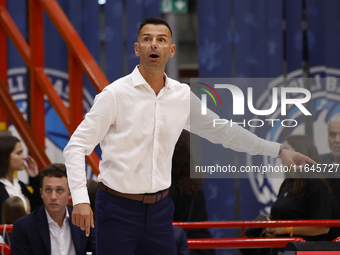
x=12, y=209
x=12, y=159
x=334, y=141
x=187, y=193
x=300, y=198
x=334, y=182
x=49, y=229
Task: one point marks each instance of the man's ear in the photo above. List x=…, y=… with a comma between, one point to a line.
x=41, y=192
x=172, y=50
x=136, y=49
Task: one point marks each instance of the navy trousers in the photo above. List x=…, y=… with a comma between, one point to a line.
x=129, y=227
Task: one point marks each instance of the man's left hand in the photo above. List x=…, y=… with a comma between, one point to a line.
x=294, y=158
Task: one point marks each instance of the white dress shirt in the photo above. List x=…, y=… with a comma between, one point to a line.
x=138, y=130
x=61, y=238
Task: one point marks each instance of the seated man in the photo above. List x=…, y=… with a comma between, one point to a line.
x=49, y=229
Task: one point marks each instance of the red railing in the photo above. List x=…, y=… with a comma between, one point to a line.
x=236, y=243
x=243, y=242
x=79, y=60
x=9, y=228
x=5, y=248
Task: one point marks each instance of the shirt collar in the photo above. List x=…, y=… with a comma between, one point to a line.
x=138, y=79
x=50, y=220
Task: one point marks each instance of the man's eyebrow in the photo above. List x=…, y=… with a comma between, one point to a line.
x=49, y=186
x=147, y=34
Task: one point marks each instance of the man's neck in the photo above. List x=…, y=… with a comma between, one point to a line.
x=58, y=217
x=155, y=79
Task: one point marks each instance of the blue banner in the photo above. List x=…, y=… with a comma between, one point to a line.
x=215, y=38
x=136, y=12
x=114, y=34
x=258, y=40
x=294, y=44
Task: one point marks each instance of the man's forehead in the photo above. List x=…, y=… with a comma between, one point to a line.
x=334, y=126
x=157, y=29
x=54, y=181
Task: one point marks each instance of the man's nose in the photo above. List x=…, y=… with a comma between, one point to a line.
x=54, y=195
x=337, y=138
x=154, y=43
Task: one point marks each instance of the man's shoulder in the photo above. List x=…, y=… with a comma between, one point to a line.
x=178, y=84
x=119, y=83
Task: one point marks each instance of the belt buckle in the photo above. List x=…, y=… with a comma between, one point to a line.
x=151, y=199
x=159, y=196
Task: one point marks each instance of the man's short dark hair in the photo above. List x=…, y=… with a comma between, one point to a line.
x=53, y=170
x=154, y=21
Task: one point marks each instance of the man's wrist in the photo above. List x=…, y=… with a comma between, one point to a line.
x=281, y=149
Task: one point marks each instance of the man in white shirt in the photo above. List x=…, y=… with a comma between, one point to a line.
x=49, y=229
x=137, y=120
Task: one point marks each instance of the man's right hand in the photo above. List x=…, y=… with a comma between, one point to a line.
x=82, y=216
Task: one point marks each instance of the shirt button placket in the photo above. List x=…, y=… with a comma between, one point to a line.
x=155, y=147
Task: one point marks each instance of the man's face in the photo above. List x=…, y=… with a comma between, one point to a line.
x=334, y=138
x=154, y=47
x=55, y=194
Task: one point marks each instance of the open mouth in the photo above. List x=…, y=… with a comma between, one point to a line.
x=154, y=56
